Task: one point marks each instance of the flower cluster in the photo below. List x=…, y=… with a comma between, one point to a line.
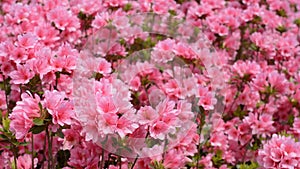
x=149, y=84
x=279, y=152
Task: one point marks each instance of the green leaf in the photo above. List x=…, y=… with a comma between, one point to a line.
x=291, y=119
x=297, y=22
x=60, y=134
x=5, y=123
x=248, y=165
x=157, y=165
x=218, y=159
x=127, y=7
x=37, y=129
x=3, y=137
x=281, y=29
x=38, y=121
x=24, y=143
x=281, y=12
x=62, y=157
x=172, y=12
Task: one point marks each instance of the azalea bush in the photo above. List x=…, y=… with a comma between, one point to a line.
x=160, y=84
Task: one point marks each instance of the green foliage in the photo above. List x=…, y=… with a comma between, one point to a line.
x=38, y=129
x=38, y=121
x=297, y=22
x=86, y=20
x=281, y=12
x=256, y=144
x=157, y=165
x=127, y=7
x=290, y=120
x=217, y=159
x=62, y=157
x=5, y=123
x=239, y=112
x=281, y=29
x=248, y=165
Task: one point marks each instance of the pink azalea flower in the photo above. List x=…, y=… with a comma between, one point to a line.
x=60, y=109
x=27, y=41
x=63, y=114
x=106, y=124
x=278, y=82
x=279, y=152
x=29, y=105
x=162, y=52
x=125, y=126
x=20, y=124
x=147, y=115
x=104, y=67
x=22, y=75
x=19, y=55
x=24, y=162
x=52, y=100
x=206, y=100
x=159, y=130
x=2, y=100
x=174, y=159
x=106, y=105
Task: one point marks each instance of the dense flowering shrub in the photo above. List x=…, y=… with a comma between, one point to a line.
x=68, y=100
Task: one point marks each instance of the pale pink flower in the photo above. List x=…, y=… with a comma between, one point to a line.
x=114, y=3
x=84, y=155
x=22, y=75
x=63, y=114
x=125, y=126
x=162, y=52
x=278, y=82
x=159, y=130
x=63, y=19
x=172, y=89
x=27, y=41
x=262, y=125
x=106, y=123
x=29, y=105
x=60, y=109
x=147, y=115
x=24, y=162
x=279, y=152
x=87, y=7
x=53, y=99
x=104, y=67
x=100, y=20
x=40, y=65
x=106, y=105
x=174, y=159
x=206, y=100
x=219, y=139
x=19, y=55
x=71, y=138
x=20, y=124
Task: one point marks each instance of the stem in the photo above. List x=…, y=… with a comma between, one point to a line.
x=32, y=151
x=51, y=141
x=120, y=162
x=6, y=96
x=102, y=159
x=134, y=162
x=201, y=116
x=165, y=149
x=15, y=155
x=49, y=148
x=108, y=161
